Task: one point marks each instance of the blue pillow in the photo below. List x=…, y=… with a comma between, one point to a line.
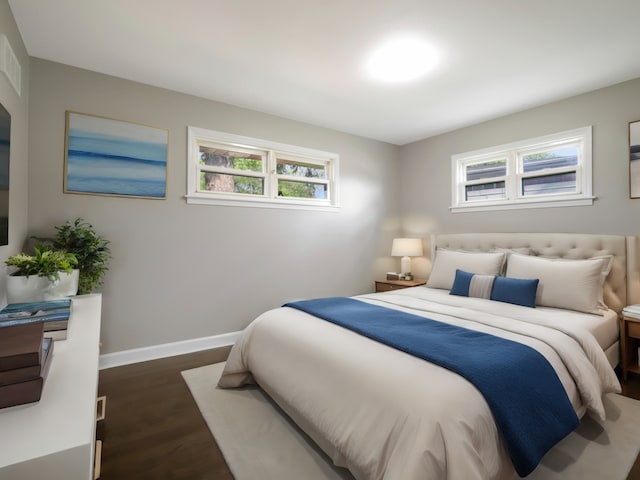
x=519, y=291
x=472, y=285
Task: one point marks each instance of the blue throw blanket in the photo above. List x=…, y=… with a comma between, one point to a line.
x=528, y=402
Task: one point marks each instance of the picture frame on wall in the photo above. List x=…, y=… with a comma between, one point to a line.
x=104, y=156
x=634, y=159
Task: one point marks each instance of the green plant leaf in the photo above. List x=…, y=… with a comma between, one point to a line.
x=90, y=249
x=46, y=262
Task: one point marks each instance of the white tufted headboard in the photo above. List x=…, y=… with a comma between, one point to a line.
x=622, y=286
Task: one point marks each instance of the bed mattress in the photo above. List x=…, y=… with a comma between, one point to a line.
x=605, y=328
x=385, y=414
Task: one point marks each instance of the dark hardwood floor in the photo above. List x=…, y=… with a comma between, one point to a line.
x=153, y=428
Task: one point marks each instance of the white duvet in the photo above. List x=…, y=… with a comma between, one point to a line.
x=384, y=414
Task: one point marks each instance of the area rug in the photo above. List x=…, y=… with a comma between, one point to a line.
x=259, y=441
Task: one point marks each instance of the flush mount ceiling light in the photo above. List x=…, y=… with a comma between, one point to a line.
x=401, y=59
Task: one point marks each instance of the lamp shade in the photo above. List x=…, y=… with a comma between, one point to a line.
x=406, y=247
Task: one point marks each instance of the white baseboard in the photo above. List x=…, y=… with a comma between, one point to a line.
x=109, y=360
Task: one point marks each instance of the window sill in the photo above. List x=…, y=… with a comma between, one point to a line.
x=263, y=203
x=524, y=205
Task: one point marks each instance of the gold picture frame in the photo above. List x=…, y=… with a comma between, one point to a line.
x=634, y=159
x=104, y=156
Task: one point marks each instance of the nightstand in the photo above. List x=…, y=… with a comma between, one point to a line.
x=388, y=285
x=630, y=339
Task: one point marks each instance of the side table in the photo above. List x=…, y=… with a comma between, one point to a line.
x=629, y=340
x=388, y=285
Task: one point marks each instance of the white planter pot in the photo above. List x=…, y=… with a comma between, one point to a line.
x=36, y=289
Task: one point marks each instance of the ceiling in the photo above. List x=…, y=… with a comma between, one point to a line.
x=305, y=60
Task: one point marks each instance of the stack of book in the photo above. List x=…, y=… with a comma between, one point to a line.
x=27, y=334
x=631, y=311
x=54, y=314
x=25, y=356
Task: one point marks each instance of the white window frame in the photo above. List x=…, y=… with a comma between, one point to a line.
x=514, y=153
x=270, y=152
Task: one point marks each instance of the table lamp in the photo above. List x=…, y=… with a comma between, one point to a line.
x=405, y=248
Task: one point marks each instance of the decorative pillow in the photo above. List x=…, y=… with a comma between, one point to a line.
x=507, y=253
x=447, y=262
x=607, y=264
x=571, y=284
x=519, y=291
x=471, y=285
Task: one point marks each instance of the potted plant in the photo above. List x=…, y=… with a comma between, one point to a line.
x=46, y=275
x=90, y=249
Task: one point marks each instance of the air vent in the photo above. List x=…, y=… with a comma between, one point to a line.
x=9, y=63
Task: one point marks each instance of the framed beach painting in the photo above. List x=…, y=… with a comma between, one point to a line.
x=634, y=159
x=104, y=156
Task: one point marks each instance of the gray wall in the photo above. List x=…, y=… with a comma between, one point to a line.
x=182, y=272
x=425, y=178
x=18, y=107
x=186, y=271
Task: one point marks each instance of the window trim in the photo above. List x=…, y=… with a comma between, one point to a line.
x=513, y=153
x=199, y=136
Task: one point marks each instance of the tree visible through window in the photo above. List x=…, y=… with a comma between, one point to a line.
x=256, y=170
x=291, y=183
x=221, y=182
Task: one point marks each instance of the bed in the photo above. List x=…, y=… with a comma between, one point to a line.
x=386, y=414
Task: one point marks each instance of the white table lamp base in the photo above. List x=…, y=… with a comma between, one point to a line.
x=405, y=265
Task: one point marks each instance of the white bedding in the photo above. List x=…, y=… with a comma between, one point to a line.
x=388, y=415
x=605, y=328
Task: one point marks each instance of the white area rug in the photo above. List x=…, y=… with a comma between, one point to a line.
x=259, y=441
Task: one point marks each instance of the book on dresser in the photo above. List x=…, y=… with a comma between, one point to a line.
x=23, y=374
x=54, y=314
x=24, y=385
x=632, y=311
x=45, y=309
x=25, y=356
x=21, y=346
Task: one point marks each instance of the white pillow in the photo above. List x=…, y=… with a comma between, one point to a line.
x=447, y=262
x=571, y=284
x=508, y=252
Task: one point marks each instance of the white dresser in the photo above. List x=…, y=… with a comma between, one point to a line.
x=55, y=437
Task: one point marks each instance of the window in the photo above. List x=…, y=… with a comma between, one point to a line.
x=227, y=169
x=549, y=171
